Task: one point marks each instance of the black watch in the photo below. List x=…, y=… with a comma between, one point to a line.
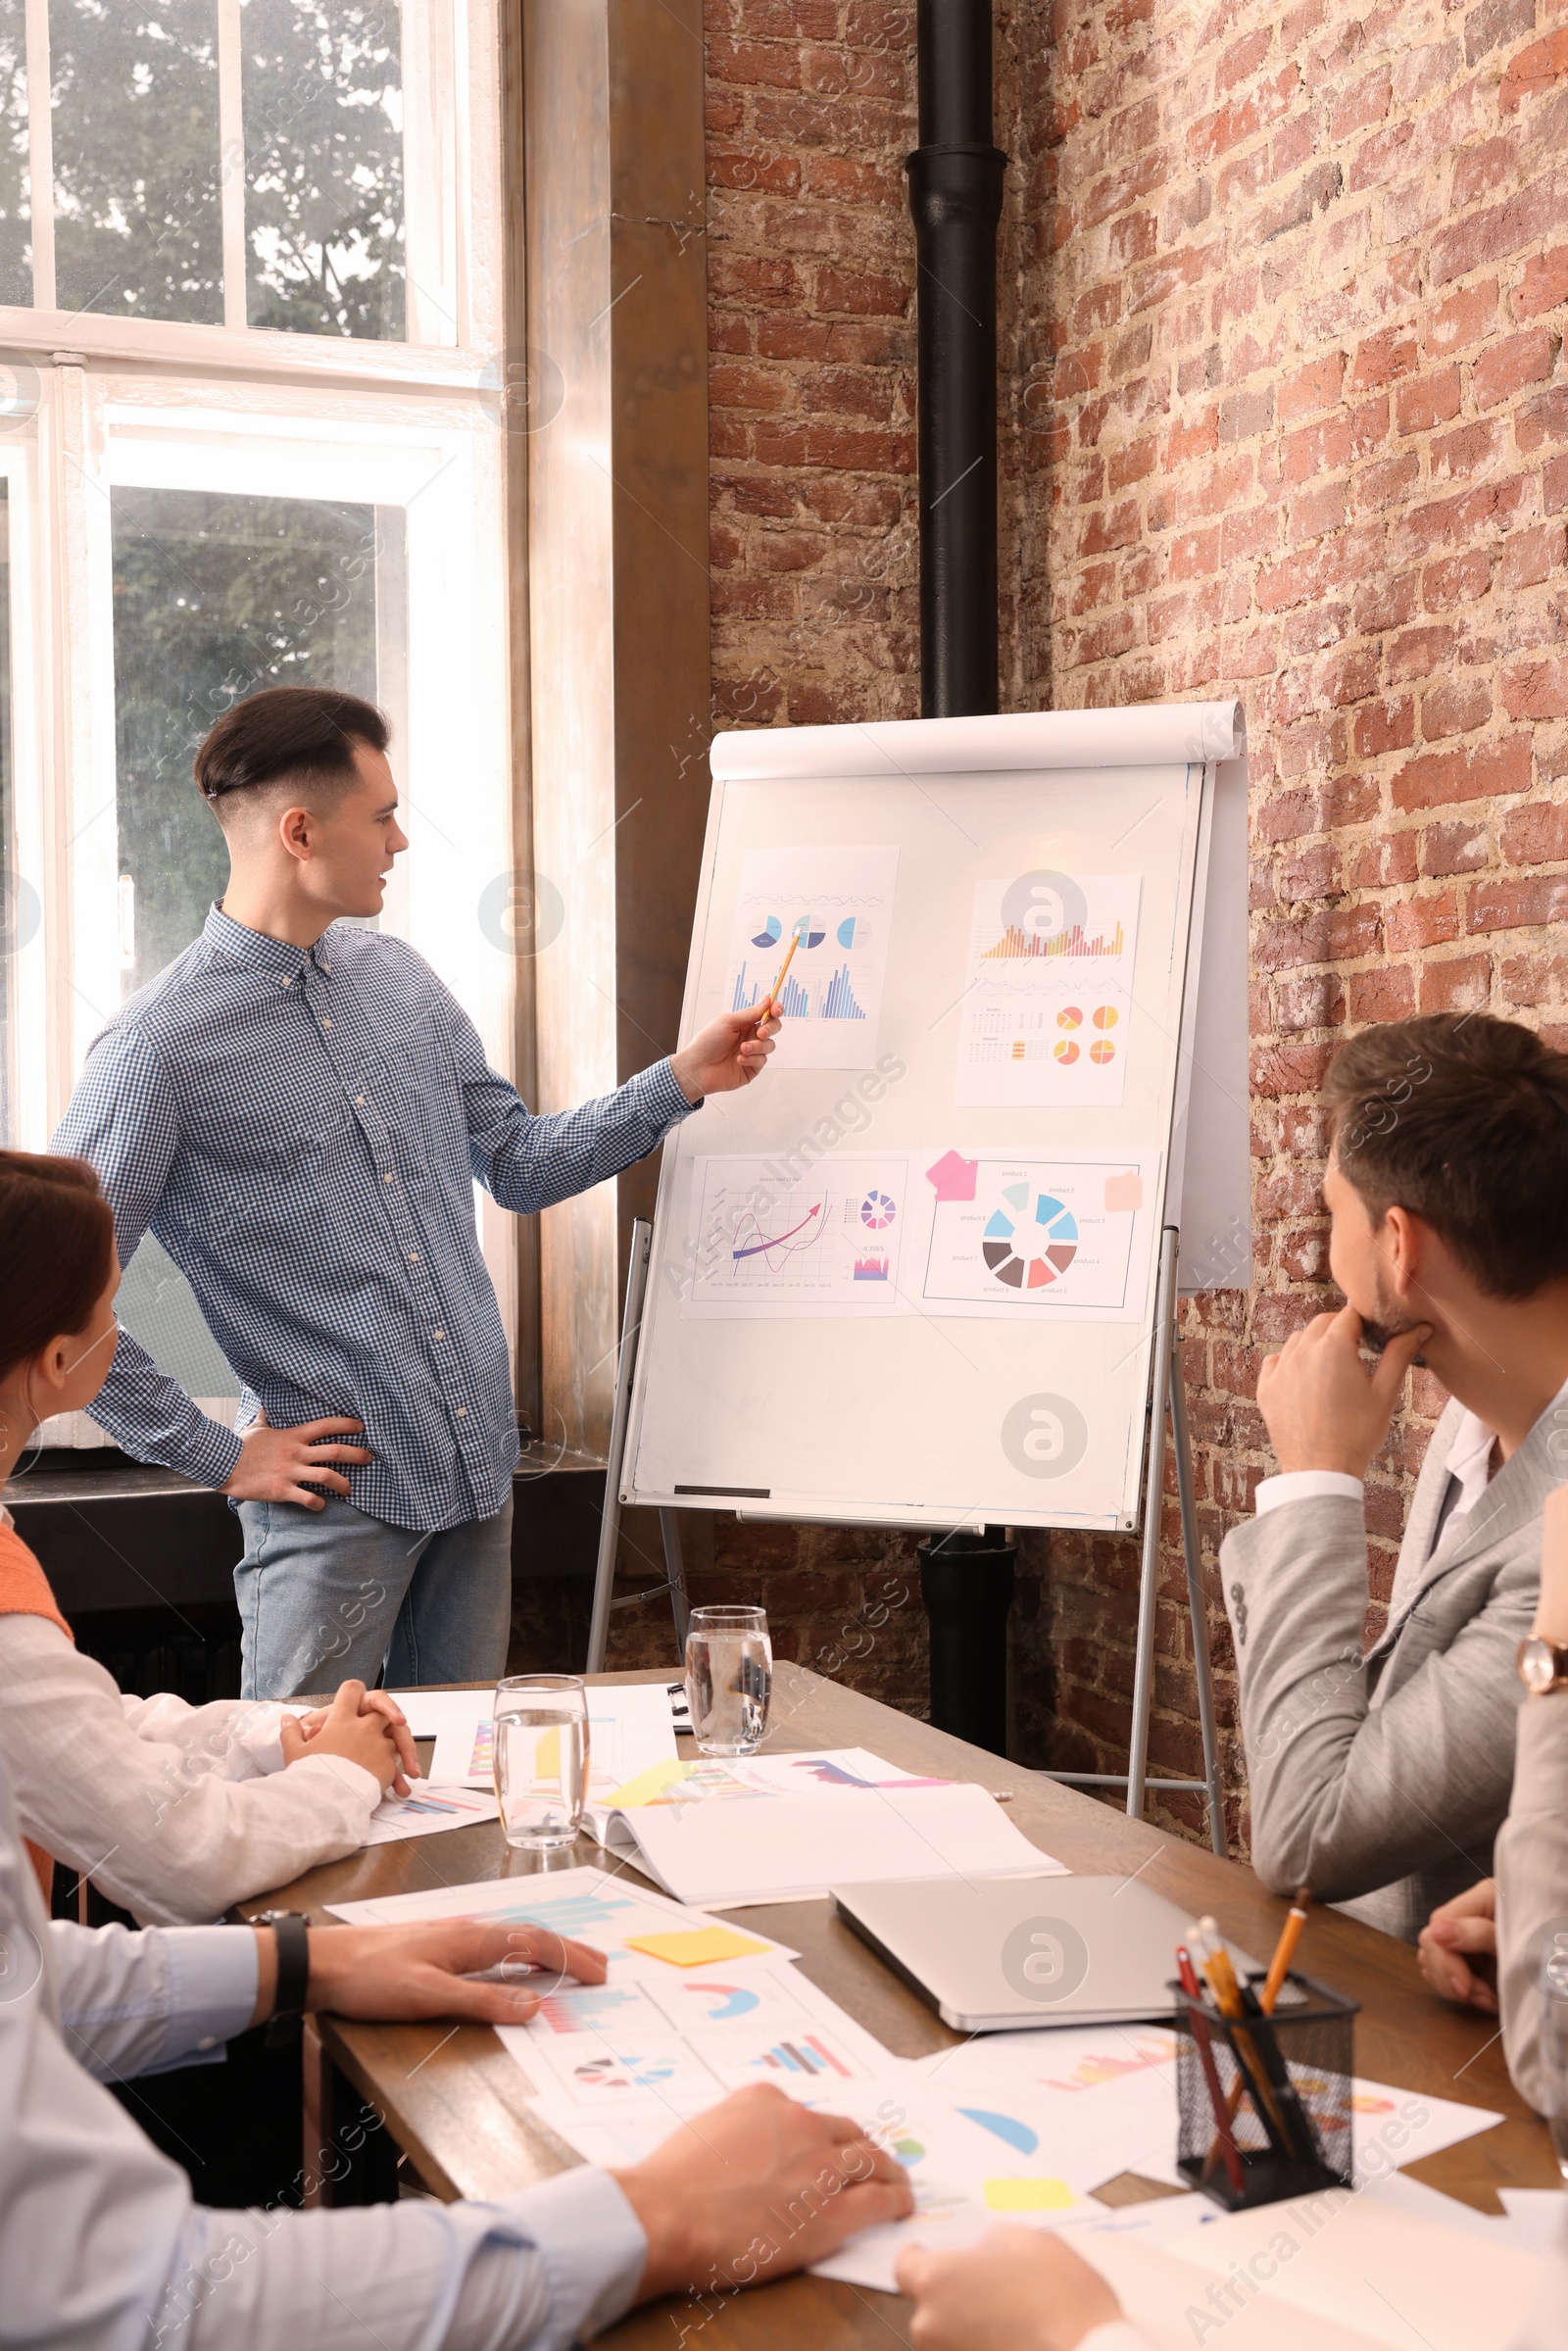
x=293, y=1933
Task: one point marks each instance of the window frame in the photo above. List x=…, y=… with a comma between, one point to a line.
x=118, y=399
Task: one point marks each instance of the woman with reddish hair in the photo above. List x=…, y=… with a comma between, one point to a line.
x=174, y=1811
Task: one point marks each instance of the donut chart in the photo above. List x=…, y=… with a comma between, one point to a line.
x=1028, y=1253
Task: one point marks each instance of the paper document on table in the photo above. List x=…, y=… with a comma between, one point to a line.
x=588, y=1905
x=630, y=1730
x=432, y=1712
x=655, y=2042
x=971, y=2168
x=818, y=1771
x=425, y=1808
x=792, y=1847
x=1362, y=2265
x=1117, y=2084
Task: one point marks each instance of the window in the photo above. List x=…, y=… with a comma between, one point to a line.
x=226, y=161
x=250, y=319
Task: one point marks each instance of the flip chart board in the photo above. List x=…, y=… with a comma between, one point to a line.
x=909, y=1276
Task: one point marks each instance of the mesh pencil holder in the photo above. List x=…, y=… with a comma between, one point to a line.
x=1283, y=2085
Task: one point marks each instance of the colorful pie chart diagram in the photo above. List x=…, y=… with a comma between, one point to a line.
x=1104, y=1017
x=1065, y=1051
x=1102, y=1049
x=771, y=933
x=877, y=1212
x=1029, y=1252
x=1069, y=1017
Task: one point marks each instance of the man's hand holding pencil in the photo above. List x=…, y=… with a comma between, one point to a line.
x=733, y=1049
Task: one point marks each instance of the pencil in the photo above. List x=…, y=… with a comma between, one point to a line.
x=1221, y=1975
x=1285, y=1949
x=1224, y=2141
x=771, y=1005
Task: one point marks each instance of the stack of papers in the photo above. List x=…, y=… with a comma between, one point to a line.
x=784, y=1828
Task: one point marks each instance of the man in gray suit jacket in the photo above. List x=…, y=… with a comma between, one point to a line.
x=1379, y=1777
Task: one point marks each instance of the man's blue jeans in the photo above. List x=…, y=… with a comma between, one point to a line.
x=326, y=1595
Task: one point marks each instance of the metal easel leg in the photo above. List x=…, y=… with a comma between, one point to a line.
x=1169, y=1394
x=1190, y=1552
x=1149, y=1580
x=680, y=1606
x=642, y=1234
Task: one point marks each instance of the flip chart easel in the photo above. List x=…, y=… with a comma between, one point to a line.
x=926, y=1272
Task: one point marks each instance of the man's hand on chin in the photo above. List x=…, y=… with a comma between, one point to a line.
x=729, y=1052
x=1324, y=1408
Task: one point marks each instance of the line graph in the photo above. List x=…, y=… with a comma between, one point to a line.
x=764, y=1242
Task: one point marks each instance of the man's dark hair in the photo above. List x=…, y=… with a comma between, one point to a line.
x=1463, y=1120
x=306, y=733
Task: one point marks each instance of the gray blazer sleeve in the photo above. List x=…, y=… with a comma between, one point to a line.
x=1533, y=1884
x=1349, y=1793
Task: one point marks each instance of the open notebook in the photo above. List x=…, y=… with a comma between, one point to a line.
x=784, y=1828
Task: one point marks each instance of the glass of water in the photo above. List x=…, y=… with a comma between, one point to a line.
x=541, y=1759
x=729, y=1679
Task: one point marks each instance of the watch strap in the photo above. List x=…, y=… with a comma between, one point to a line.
x=293, y=1935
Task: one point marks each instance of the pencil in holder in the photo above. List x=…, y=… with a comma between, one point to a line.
x=1264, y=2101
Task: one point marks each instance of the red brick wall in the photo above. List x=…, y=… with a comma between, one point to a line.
x=1309, y=444
x=1301, y=272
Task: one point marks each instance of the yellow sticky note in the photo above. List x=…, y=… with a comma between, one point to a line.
x=697, y=1946
x=1028, y=2195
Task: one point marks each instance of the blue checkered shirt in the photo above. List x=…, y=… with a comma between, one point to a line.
x=302, y=1132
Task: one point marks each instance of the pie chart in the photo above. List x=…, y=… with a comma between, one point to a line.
x=1029, y=1252
x=877, y=1212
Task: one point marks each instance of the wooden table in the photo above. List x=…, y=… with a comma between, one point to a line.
x=456, y=2102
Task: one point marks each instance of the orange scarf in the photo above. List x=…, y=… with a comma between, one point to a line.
x=25, y=1591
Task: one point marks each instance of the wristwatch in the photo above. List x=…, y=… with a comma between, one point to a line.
x=1543, y=1666
x=293, y=1932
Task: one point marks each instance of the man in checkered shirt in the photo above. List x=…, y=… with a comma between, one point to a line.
x=299, y=1110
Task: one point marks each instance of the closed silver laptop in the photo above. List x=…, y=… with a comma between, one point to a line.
x=1002, y=1954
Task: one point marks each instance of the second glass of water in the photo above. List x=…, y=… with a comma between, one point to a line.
x=541, y=1759
x=729, y=1679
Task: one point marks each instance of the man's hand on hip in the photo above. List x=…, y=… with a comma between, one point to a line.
x=729, y=1052
x=274, y=1461
x=1324, y=1408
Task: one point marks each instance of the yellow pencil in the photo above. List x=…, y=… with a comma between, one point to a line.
x=1278, y=1969
x=771, y=1005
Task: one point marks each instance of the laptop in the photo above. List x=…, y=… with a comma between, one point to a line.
x=1002, y=1954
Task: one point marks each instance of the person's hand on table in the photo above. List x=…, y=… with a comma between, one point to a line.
x=729, y=1052
x=273, y=1461
x=1458, y=1948
x=1019, y=2289
x=371, y=1701
x=1324, y=1408
x=352, y=1728
x=397, y=1975
x=756, y=2188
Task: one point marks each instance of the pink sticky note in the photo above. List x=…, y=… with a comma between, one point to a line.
x=1124, y=1191
x=955, y=1178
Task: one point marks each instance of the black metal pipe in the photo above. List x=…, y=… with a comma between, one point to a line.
x=956, y=199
